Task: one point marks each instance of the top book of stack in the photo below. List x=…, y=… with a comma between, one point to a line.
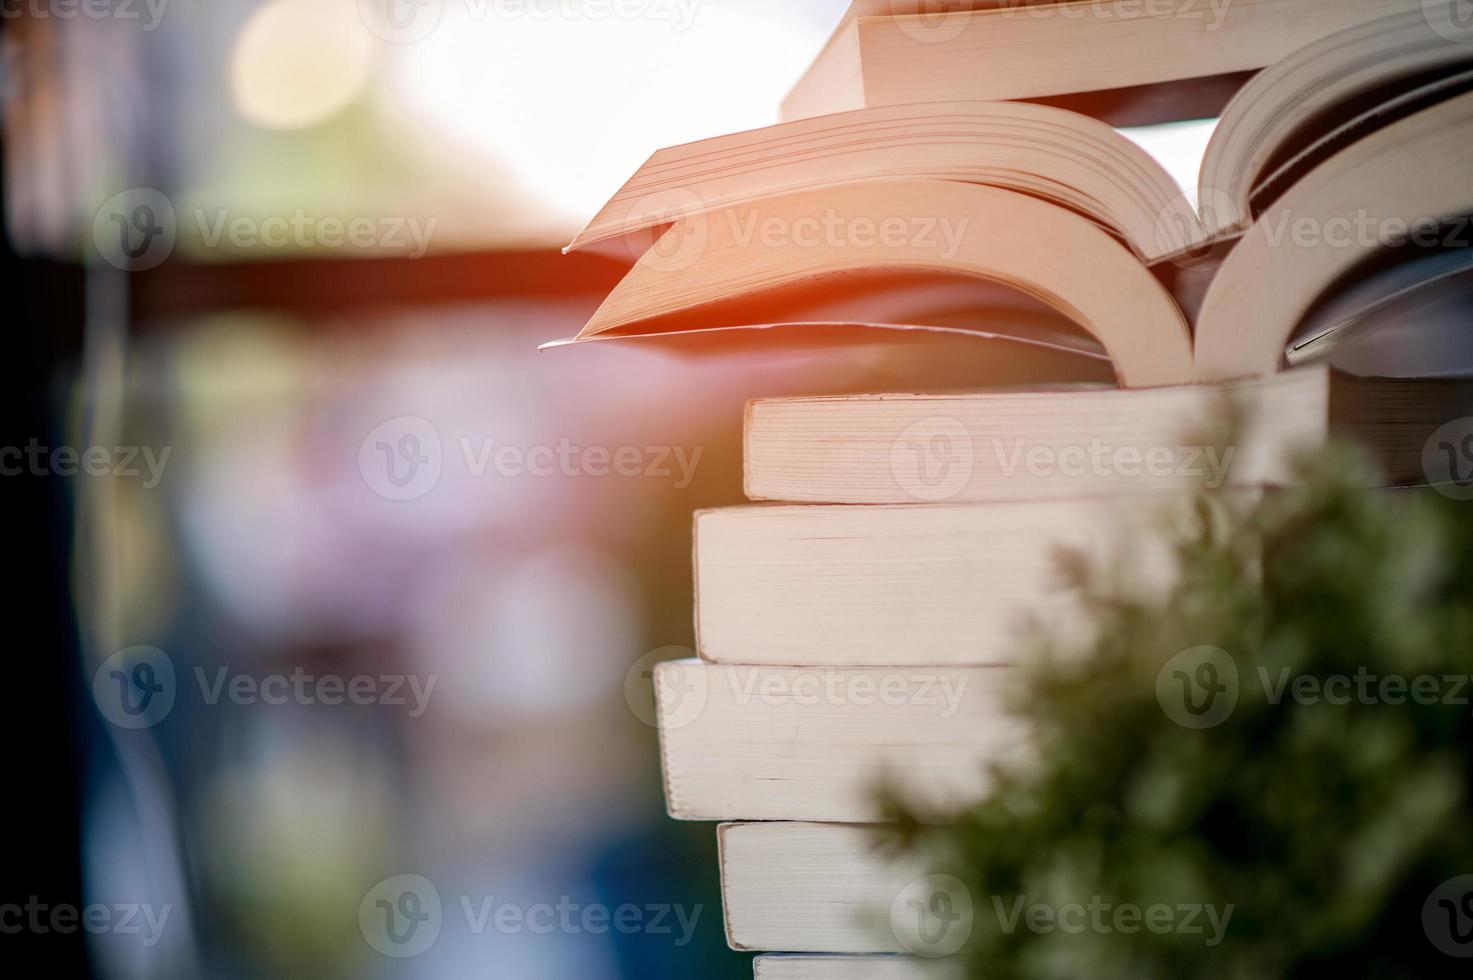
x=1122, y=60
x=1346, y=154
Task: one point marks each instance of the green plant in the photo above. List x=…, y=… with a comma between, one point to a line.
x=1321, y=830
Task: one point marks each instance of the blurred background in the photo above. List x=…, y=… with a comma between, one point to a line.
x=389, y=580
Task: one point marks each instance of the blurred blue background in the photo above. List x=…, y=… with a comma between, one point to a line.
x=287, y=266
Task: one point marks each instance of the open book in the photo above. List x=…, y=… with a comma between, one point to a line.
x=1320, y=162
x=893, y=52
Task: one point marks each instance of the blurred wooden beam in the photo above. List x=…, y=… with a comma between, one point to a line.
x=318, y=286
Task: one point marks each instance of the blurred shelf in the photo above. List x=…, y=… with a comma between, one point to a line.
x=316, y=286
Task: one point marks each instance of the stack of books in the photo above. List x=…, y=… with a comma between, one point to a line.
x=857, y=623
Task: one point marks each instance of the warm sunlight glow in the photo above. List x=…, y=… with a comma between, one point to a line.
x=1178, y=146
x=299, y=62
x=571, y=107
